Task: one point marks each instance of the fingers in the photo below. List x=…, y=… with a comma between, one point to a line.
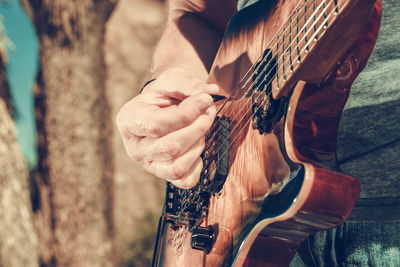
x=176, y=143
x=153, y=121
x=163, y=128
x=192, y=178
x=179, y=169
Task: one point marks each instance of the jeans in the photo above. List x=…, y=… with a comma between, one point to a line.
x=352, y=244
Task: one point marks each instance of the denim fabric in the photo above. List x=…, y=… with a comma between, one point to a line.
x=352, y=244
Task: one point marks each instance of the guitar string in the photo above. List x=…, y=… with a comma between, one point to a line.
x=240, y=84
x=198, y=186
x=312, y=39
x=266, y=96
x=232, y=142
x=185, y=199
x=241, y=129
x=323, y=4
x=254, y=67
x=268, y=65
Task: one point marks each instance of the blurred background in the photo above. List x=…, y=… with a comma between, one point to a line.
x=69, y=195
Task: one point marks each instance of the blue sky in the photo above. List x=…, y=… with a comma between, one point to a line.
x=22, y=68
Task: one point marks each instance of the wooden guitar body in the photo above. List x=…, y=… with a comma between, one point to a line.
x=283, y=184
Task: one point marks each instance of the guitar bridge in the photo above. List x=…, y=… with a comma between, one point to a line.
x=188, y=207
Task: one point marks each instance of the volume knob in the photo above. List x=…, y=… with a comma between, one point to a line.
x=203, y=238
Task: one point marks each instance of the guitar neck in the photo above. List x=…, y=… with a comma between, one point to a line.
x=303, y=47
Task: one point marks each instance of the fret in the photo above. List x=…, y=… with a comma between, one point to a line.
x=290, y=45
x=277, y=58
x=283, y=54
x=298, y=37
x=325, y=14
x=315, y=19
x=305, y=25
x=336, y=7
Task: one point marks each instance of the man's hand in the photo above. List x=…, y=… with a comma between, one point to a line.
x=163, y=128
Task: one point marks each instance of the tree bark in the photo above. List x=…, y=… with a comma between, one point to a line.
x=18, y=242
x=73, y=207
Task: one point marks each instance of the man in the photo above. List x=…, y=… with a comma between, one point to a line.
x=163, y=129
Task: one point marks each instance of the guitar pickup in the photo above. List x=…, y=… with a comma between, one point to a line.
x=216, y=157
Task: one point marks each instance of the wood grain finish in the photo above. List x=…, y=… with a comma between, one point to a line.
x=325, y=200
x=261, y=165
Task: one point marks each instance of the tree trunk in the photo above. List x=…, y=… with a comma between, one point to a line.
x=73, y=208
x=18, y=242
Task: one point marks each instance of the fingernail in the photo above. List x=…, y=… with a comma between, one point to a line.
x=204, y=102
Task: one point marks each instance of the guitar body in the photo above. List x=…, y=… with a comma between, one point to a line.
x=284, y=184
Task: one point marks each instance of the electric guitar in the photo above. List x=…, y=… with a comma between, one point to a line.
x=270, y=177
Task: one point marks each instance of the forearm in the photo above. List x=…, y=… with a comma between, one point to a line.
x=190, y=41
